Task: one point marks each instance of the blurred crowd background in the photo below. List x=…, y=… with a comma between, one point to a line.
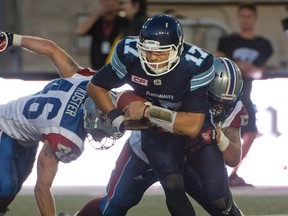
x=204, y=22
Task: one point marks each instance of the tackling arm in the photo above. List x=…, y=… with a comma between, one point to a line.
x=47, y=166
x=232, y=153
x=64, y=63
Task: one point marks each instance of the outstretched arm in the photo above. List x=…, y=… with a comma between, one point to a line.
x=229, y=143
x=47, y=166
x=64, y=63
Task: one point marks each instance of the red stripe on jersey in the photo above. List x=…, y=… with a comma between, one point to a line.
x=238, y=118
x=86, y=72
x=63, y=148
x=117, y=173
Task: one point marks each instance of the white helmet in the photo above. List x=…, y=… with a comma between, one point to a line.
x=225, y=89
x=99, y=128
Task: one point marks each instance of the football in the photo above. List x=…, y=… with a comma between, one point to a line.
x=126, y=97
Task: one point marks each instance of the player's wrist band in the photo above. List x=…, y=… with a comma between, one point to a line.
x=162, y=117
x=116, y=118
x=17, y=40
x=224, y=142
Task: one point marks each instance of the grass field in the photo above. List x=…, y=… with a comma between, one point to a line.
x=251, y=201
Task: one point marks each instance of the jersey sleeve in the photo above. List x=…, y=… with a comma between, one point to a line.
x=113, y=74
x=238, y=118
x=206, y=74
x=63, y=148
x=199, y=65
x=195, y=101
x=85, y=72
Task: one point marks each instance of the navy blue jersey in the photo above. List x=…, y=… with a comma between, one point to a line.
x=176, y=90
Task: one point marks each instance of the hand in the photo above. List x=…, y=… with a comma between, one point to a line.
x=207, y=136
x=134, y=111
x=6, y=40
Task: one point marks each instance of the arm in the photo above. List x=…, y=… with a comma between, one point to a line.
x=182, y=123
x=100, y=94
x=47, y=166
x=64, y=63
x=188, y=124
x=232, y=152
x=102, y=99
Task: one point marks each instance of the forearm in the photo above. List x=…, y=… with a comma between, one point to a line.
x=38, y=45
x=182, y=123
x=232, y=155
x=45, y=200
x=47, y=166
x=230, y=145
x=189, y=124
x=101, y=97
x=65, y=64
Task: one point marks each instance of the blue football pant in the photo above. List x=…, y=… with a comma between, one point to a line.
x=132, y=177
x=16, y=163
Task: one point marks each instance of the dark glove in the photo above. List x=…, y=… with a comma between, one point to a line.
x=206, y=137
x=116, y=117
x=6, y=40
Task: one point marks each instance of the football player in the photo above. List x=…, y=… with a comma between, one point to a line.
x=174, y=75
x=133, y=175
x=61, y=116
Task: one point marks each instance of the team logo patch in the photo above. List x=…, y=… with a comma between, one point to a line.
x=139, y=80
x=157, y=82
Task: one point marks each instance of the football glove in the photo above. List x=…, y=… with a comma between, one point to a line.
x=206, y=137
x=6, y=40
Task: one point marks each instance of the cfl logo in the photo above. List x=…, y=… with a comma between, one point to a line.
x=139, y=80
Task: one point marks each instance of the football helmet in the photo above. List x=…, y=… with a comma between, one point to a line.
x=161, y=33
x=226, y=88
x=98, y=127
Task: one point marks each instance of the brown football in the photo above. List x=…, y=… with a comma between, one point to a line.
x=126, y=97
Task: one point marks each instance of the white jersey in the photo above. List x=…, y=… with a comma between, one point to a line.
x=236, y=119
x=54, y=114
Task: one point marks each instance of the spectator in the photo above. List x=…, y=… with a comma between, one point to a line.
x=135, y=12
x=250, y=52
x=103, y=25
